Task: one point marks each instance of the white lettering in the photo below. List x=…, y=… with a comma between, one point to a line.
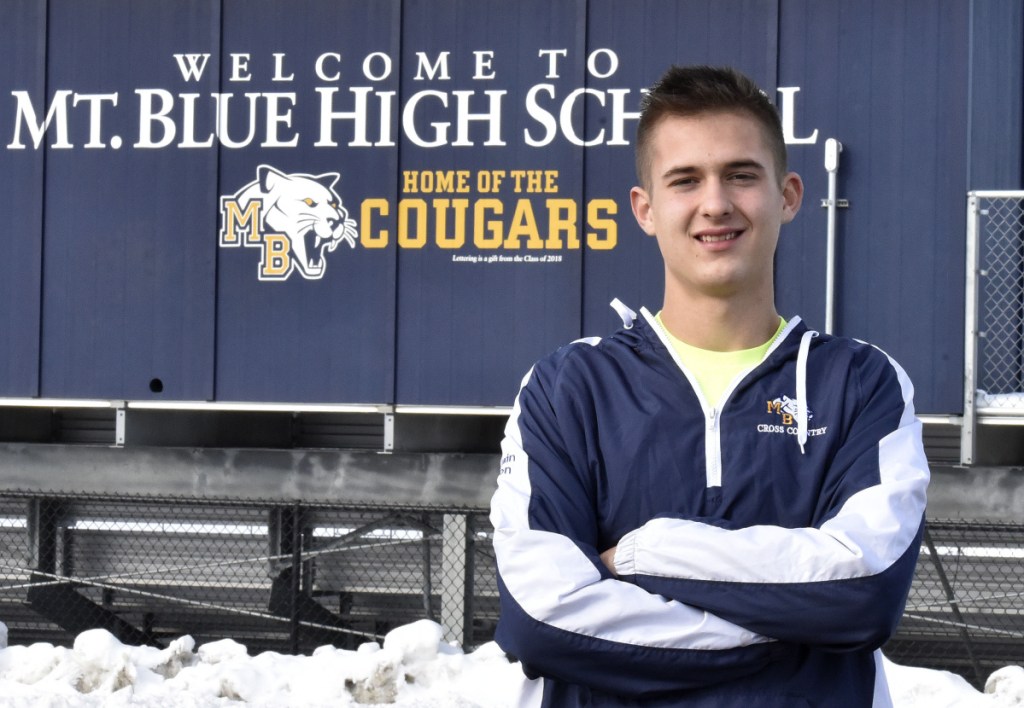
x=788, y=113
x=148, y=117
x=357, y=115
x=188, y=123
x=223, y=112
x=385, y=62
x=439, y=70
x=57, y=113
x=483, y=63
x=240, y=68
x=541, y=116
x=492, y=118
x=613, y=63
x=620, y=115
x=568, y=116
x=552, y=56
x=277, y=116
x=565, y=117
x=279, y=68
x=409, y=124
x=319, y=67
x=192, y=66
x=95, y=102
x=158, y=129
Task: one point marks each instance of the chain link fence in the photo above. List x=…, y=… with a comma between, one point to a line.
x=965, y=612
x=291, y=578
x=999, y=220
x=282, y=578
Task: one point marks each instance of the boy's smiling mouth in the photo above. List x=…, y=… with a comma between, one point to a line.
x=718, y=237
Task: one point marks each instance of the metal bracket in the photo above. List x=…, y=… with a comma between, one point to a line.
x=119, y=425
x=389, y=432
x=840, y=204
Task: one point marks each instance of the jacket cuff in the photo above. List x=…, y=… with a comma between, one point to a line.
x=625, y=554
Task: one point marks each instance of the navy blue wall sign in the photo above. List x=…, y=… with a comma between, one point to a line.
x=410, y=201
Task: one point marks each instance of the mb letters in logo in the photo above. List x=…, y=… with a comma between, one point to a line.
x=784, y=411
x=295, y=219
x=786, y=408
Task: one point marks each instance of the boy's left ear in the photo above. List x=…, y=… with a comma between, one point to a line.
x=792, y=196
x=640, y=201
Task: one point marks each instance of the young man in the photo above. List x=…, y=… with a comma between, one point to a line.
x=713, y=506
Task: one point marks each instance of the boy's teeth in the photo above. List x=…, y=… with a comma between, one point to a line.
x=715, y=239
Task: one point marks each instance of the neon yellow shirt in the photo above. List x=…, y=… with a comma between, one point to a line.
x=714, y=371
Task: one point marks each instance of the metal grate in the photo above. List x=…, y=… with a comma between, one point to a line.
x=1000, y=376
x=283, y=578
x=966, y=607
x=293, y=577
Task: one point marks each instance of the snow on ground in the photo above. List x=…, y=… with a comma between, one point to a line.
x=414, y=668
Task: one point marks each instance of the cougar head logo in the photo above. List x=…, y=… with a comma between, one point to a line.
x=306, y=210
x=789, y=405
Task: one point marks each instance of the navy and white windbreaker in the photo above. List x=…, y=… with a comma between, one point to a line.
x=765, y=547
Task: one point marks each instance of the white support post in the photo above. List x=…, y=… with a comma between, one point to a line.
x=971, y=334
x=832, y=149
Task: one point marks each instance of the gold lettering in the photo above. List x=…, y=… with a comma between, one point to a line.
x=406, y=239
x=367, y=237
x=459, y=206
x=595, y=239
x=235, y=220
x=523, y=224
x=482, y=225
x=562, y=219
x=275, y=263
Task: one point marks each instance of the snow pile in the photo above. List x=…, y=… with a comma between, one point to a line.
x=414, y=668
x=925, y=688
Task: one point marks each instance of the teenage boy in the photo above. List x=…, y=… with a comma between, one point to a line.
x=714, y=506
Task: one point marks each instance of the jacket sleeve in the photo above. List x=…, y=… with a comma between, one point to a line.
x=841, y=584
x=563, y=614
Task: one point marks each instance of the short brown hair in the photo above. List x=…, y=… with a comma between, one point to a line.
x=690, y=90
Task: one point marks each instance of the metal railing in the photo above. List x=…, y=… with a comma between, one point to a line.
x=281, y=577
x=291, y=577
x=994, y=313
x=965, y=612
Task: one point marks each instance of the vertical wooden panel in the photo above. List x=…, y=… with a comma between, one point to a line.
x=300, y=335
x=114, y=278
x=469, y=330
x=997, y=95
x=22, y=69
x=648, y=37
x=890, y=82
x=128, y=256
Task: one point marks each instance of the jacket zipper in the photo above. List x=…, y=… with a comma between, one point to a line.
x=712, y=416
x=713, y=449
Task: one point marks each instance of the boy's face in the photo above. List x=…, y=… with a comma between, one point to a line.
x=715, y=202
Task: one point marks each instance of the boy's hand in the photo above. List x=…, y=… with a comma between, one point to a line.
x=608, y=558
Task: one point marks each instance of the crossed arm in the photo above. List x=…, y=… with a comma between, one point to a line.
x=679, y=603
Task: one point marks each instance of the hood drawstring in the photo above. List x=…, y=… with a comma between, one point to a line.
x=627, y=315
x=801, y=388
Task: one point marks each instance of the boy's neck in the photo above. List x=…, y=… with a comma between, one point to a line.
x=721, y=325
